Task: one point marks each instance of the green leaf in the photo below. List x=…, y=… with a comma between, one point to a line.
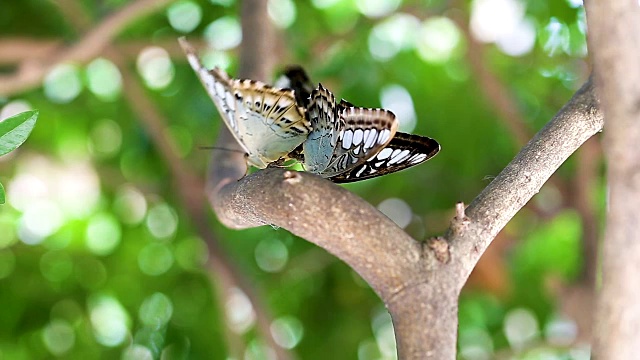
x=16, y=129
x=2, y=197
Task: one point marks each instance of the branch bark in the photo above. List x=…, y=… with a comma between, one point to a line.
x=614, y=41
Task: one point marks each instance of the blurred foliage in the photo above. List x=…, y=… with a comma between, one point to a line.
x=98, y=260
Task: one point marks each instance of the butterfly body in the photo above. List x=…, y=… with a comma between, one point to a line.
x=266, y=121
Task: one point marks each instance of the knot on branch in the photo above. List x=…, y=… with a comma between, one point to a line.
x=460, y=222
x=440, y=248
x=292, y=177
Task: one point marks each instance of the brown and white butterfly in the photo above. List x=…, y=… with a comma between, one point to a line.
x=349, y=143
x=265, y=120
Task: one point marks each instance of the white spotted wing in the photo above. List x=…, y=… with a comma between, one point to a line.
x=266, y=121
x=404, y=151
x=343, y=136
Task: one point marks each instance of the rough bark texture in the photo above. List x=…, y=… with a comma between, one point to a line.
x=615, y=46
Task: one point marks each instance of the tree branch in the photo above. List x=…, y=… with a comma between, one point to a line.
x=614, y=42
x=576, y=122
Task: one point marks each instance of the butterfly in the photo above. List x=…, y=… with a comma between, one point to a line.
x=265, y=120
x=349, y=143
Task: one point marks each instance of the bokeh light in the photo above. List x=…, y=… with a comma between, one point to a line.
x=137, y=352
x=156, y=311
x=13, y=108
x=438, y=40
x=155, y=67
x=162, y=221
x=377, y=8
x=104, y=79
x=475, y=344
x=224, y=33
x=62, y=84
x=282, y=12
x=393, y=34
x=109, y=320
x=59, y=337
x=397, y=99
x=520, y=328
x=105, y=138
x=287, y=331
x=271, y=255
x=103, y=233
x=184, y=16
x=130, y=205
x=239, y=311
x=397, y=210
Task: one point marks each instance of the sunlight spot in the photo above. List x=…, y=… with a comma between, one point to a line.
x=377, y=8
x=156, y=311
x=239, y=311
x=438, y=40
x=494, y=19
x=58, y=337
x=137, y=352
x=258, y=350
x=576, y=3
x=155, y=67
x=520, y=40
x=104, y=79
x=225, y=3
x=103, y=234
x=13, y=108
x=130, y=205
x=397, y=210
x=212, y=58
x=287, y=331
x=475, y=344
x=520, y=328
x=162, y=221
x=555, y=37
x=398, y=100
x=224, y=33
x=323, y=4
x=393, y=34
x=109, y=320
x=560, y=331
x=383, y=332
x=62, y=84
x=282, y=12
x=184, y=16
x=41, y=219
x=271, y=255
x=105, y=138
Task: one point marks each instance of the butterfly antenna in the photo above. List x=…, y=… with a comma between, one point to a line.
x=220, y=149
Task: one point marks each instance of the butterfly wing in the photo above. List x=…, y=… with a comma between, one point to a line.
x=325, y=128
x=266, y=121
x=295, y=78
x=363, y=133
x=404, y=151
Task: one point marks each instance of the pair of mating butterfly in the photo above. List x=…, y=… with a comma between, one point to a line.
x=338, y=141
